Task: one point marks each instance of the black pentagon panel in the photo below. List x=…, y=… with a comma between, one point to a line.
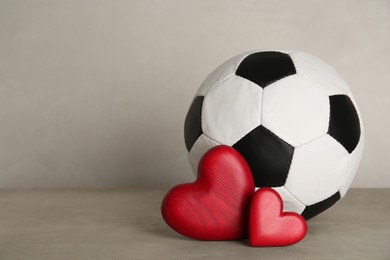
x=315, y=209
x=264, y=68
x=268, y=157
x=344, y=125
x=192, y=124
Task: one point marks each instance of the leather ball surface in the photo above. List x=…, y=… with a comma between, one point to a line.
x=293, y=119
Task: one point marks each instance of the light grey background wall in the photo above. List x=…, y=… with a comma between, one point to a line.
x=94, y=93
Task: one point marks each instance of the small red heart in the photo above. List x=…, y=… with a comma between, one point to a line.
x=269, y=225
x=216, y=205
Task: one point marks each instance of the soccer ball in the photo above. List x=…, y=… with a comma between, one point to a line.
x=293, y=119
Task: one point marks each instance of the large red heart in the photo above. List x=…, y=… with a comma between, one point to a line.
x=216, y=205
x=269, y=225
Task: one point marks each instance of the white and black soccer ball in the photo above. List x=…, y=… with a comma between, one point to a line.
x=293, y=119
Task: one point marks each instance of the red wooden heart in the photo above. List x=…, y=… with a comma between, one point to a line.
x=216, y=205
x=269, y=225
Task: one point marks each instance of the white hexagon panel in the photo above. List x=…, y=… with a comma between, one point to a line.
x=317, y=170
x=231, y=109
x=221, y=73
x=296, y=110
x=320, y=73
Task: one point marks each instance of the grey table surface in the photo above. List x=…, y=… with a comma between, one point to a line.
x=127, y=224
